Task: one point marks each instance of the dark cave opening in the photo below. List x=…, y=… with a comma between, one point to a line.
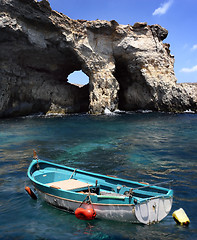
x=122, y=75
x=134, y=93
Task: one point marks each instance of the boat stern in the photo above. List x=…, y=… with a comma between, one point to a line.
x=153, y=210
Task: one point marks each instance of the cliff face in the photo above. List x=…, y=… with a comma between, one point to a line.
x=129, y=67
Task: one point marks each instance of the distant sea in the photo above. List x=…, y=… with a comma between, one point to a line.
x=150, y=147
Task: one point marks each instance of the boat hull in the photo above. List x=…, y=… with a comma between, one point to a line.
x=116, y=212
x=151, y=211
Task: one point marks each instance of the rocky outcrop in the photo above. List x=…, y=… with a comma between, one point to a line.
x=129, y=67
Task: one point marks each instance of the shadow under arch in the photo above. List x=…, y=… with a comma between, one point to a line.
x=134, y=93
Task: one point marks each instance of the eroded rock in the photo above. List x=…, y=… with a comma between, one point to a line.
x=129, y=67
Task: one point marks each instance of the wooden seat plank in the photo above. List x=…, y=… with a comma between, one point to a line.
x=69, y=184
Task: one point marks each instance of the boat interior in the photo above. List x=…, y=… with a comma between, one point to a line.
x=89, y=183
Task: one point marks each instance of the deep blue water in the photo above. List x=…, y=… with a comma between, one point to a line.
x=152, y=147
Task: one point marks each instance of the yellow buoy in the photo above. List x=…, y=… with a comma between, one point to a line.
x=180, y=217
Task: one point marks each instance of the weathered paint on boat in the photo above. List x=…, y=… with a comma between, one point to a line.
x=109, y=196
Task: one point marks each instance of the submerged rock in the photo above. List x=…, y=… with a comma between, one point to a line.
x=129, y=67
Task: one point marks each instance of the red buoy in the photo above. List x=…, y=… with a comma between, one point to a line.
x=31, y=193
x=85, y=214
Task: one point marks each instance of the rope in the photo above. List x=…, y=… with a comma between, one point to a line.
x=83, y=201
x=89, y=200
x=73, y=173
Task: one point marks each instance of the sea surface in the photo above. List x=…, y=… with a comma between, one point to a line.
x=150, y=147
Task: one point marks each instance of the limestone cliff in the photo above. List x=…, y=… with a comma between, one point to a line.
x=129, y=67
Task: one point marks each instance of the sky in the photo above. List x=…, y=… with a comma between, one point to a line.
x=179, y=17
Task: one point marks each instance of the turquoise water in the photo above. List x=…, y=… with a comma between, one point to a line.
x=152, y=147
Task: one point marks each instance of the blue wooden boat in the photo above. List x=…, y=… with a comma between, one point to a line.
x=107, y=197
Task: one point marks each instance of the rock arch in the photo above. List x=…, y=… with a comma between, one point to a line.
x=128, y=66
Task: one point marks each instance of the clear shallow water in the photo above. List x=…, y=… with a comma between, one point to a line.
x=143, y=147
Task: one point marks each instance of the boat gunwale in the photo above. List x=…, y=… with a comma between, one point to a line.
x=103, y=204
x=98, y=204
